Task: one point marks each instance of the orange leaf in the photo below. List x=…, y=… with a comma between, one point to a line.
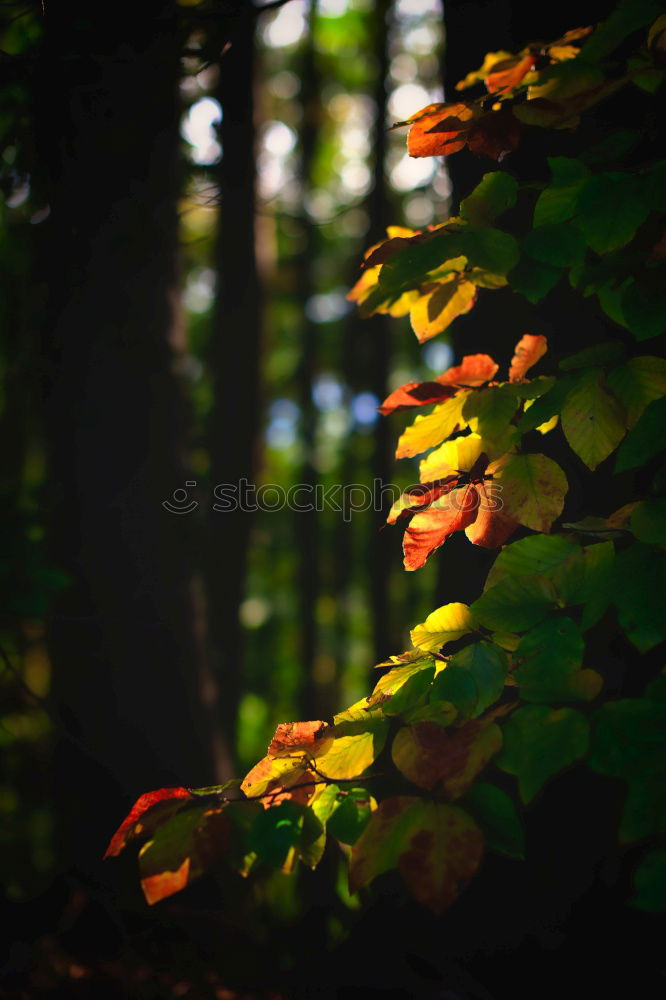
x=415, y=394
x=475, y=369
x=418, y=498
x=440, y=129
x=492, y=528
x=150, y=802
x=430, y=529
x=290, y=736
x=528, y=351
x=508, y=74
x=157, y=887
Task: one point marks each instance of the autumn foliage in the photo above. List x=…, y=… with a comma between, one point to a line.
x=507, y=683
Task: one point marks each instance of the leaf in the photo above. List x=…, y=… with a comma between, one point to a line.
x=533, y=280
x=643, y=305
x=533, y=488
x=428, y=755
x=434, y=312
x=509, y=73
x=485, y=665
x=439, y=129
x=548, y=406
x=416, y=394
x=549, y=658
x=537, y=555
x=182, y=849
x=430, y=529
x=286, y=828
x=147, y=813
x=495, y=134
x=557, y=203
x=451, y=458
x=637, y=383
x=293, y=736
x=625, y=19
x=527, y=352
x=437, y=848
x=478, y=76
x=474, y=370
x=607, y=230
x=650, y=882
x=401, y=688
x=446, y=624
x=539, y=742
x=428, y=431
x=420, y=497
x=645, y=439
x=591, y=357
x=356, y=746
x=494, y=195
x=556, y=245
x=648, y=521
x=352, y=815
x=492, y=527
x=515, y=603
x=496, y=814
x=639, y=581
x=593, y=420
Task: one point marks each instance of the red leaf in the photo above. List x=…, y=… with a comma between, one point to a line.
x=508, y=74
x=430, y=529
x=528, y=351
x=130, y=827
x=418, y=498
x=492, y=528
x=415, y=394
x=475, y=369
x=495, y=134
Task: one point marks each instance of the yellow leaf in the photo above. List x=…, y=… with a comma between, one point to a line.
x=453, y=456
x=433, y=312
x=446, y=624
x=428, y=431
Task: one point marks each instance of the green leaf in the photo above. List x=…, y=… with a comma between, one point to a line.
x=388, y=688
x=648, y=521
x=557, y=203
x=494, y=195
x=437, y=848
x=591, y=357
x=556, y=245
x=637, y=383
x=610, y=210
x=277, y=830
x=446, y=624
x=537, y=555
x=352, y=816
x=645, y=440
x=490, y=411
x=547, y=406
x=482, y=662
x=549, y=658
x=515, y=603
x=539, y=742
x=533, y=280
x=593, y=420
x=623, y=21
x=533, y=488
x=650, y=882
x=496, y=814
x=612, y=148
x=358, y=742
x=644, y=306
x=639, y=582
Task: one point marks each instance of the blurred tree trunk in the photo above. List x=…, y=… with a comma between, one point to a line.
x=128, y=639
x=234, y=355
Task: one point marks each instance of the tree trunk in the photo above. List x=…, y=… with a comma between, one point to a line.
x=127, y=642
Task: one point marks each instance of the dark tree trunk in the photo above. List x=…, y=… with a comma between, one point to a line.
x=127, y=641
x=234, y=355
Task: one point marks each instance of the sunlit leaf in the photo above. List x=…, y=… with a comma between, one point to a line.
x=451, y=458
x=593, y=420
x=446, y=624
x=434, y=312
x=533, y=488
x=147, y=813
x=416, y=394
x=439, y=129
x=428, y=431
x=474, y=370
x=529, y=349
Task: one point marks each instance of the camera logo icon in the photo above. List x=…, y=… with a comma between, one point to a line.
x=179, y=501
